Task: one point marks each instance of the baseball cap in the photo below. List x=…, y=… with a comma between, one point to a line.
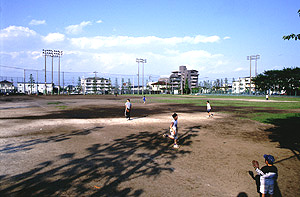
x=269, y=158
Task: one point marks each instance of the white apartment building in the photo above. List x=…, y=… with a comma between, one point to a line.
x=92, y=85
x=33, y=88
x=242, y=85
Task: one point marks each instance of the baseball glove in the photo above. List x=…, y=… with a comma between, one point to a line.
x=255, y=164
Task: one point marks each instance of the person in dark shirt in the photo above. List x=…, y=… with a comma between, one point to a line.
x=268, y=175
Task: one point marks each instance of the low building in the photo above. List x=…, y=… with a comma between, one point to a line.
x=33, y=88
x=6, y=87
x=159, y=87
x=95, y=85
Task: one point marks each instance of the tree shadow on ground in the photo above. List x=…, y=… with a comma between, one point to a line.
x=103, y=170
x=29, y=144
x=286, y=133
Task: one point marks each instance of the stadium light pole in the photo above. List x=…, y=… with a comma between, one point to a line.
x=47, y=52
x=256, y=58
x=58, y=53
x=253, y=57
x=52, y=54
x=144, y=61
x=138, y=60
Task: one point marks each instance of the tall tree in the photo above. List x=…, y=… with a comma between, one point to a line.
x=287, y=80
x=292, y=36
x=186, y=87
x=31, y=81
x=95, y=85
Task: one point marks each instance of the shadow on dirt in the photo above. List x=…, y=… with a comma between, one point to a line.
x=102, y=170
x=29, y=144
x=286, y=132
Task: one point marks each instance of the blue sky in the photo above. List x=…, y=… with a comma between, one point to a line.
x=214, y=37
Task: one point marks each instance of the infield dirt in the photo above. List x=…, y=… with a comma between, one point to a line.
x=84, y=146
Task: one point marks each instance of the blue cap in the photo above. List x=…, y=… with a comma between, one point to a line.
x=269, y=158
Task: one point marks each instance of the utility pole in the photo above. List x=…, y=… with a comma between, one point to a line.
x=24, y=83
x=58, y=92
x=52, y=77
x=95, y=82
x=37, y=82
x=133, y=84
x=63, y=82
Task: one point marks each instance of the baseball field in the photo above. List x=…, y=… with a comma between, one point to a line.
x=83, y=146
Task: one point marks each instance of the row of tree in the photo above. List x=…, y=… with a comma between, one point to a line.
x=286, y=80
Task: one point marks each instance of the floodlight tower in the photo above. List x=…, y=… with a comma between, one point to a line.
x=46, y=52
x=253, y=57
x=138, y=60
x=144, y=61
x=57, y=53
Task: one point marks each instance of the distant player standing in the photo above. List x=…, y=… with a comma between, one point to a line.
x=144, y=99
x=208, y=108
x=173, y=130
x=128, y=107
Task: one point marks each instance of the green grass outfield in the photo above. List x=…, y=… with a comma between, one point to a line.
x=284, y=105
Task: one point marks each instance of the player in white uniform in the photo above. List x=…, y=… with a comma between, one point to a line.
x=173, y=130
x=128, y=107
x=208, y=107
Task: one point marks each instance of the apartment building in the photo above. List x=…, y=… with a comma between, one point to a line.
x=95, y=85
x=178, y=79
x=242, y=85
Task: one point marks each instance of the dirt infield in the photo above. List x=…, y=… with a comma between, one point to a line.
x=83, y=146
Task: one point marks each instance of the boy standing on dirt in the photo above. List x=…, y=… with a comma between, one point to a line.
x=268, y=175
x=128, y=109
x=208, y=108
x=173, y=130
x=144, y=99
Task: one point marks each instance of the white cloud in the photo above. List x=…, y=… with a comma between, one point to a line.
x=37, y=22
x=76, y=29
x=226, y=38
x=119, y=41
x=99, y=21
x=16, y=31
x=54, y=37
x=239, y=69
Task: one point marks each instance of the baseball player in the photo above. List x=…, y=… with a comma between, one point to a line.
x=128, y=107
x=173, y=130
x=208, y=108
x=268, y=175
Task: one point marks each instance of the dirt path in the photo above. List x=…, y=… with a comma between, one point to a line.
x=89, y=149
